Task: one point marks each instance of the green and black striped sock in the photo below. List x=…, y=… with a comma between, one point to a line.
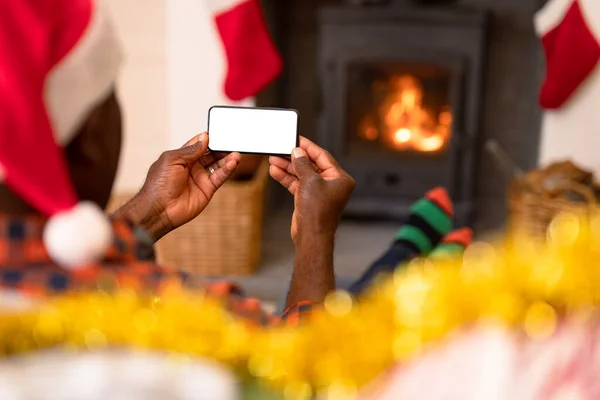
x=453, y=245
x=430, y=220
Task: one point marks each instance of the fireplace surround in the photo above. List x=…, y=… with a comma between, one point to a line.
x=401, y=102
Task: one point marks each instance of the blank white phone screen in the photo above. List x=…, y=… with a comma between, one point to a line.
x=252, y=130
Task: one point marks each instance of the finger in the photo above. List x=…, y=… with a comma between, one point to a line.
x=321, y=157
x=222, y=174
x=280, y=162
x=219, y=158
x=288, y=181
x=192, y=140
x=223, y=161
x=287, y=165
x=302, y=164
x=194, y=151
x=208, y=159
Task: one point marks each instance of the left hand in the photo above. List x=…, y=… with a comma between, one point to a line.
x=320, y=186
x=179, y=186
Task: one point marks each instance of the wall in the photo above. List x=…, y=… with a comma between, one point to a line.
x=572, y=131
x=196, y=68
x=142, y=87
x=172, y=75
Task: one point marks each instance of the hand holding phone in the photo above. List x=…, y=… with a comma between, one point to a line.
x=320, y=186
x=252, y=130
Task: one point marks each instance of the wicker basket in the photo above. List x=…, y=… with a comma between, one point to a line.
x=226, y=238
x=532, y=211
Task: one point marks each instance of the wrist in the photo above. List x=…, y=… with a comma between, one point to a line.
x=146, y=214
x=313, y=276
x=312, y=228
x=315, y=236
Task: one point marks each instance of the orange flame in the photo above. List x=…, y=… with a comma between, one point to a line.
x=405, y=123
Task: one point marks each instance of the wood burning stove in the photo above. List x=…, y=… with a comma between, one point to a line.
x=401, y=92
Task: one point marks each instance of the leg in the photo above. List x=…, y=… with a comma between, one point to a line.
x=398, y=254
x=429, y=221
x=452, y=245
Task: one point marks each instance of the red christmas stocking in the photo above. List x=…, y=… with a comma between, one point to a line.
x=570, y=45
x=253, y=61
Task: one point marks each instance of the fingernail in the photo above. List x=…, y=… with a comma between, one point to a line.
x=298, y=152
x=202, y=137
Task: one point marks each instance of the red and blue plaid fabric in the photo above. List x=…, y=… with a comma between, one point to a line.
x=25, y=266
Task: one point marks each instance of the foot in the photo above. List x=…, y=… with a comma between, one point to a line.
x=430, y=220
x=453, y=244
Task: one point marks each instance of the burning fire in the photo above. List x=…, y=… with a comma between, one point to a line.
x=403, y=123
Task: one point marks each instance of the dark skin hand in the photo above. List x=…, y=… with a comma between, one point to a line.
x=321, y=189
x=178, y=187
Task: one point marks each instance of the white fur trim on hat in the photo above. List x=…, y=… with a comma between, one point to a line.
x=85, y=76
x=78, y=237
x=551, y=15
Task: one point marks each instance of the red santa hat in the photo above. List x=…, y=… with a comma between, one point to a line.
x=58, y=60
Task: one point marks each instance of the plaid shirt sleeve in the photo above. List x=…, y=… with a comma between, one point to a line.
x=251, y=309
x=295, y=314
x=25, y=266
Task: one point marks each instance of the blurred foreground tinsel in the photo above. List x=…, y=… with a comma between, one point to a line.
x=527, y=286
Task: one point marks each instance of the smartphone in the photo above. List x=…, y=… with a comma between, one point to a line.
x=253, y=130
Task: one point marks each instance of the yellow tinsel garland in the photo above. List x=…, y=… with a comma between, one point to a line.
x=348, y=344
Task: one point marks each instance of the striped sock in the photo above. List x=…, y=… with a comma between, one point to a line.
x=429, y=221
x=453, y=245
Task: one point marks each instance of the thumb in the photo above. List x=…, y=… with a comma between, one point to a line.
x=194, y=150
x=302, y=164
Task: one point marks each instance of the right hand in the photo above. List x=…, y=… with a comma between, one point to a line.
x=321, y=188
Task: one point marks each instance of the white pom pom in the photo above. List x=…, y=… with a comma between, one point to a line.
x=78, y=237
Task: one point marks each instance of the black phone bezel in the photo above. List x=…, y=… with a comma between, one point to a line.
x=255, y=108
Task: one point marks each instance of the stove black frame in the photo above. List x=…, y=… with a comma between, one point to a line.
x=452, y=38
